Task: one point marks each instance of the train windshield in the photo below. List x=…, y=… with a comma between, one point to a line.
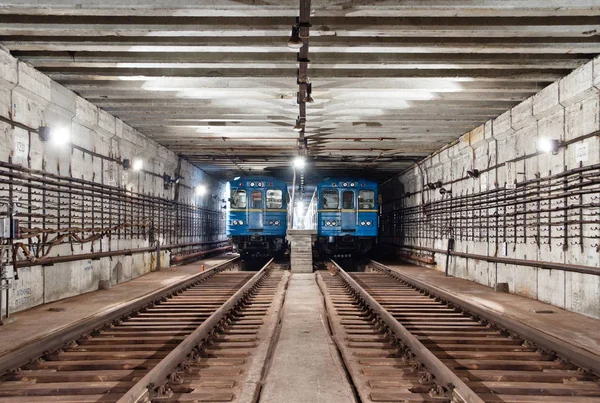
x=238, y=198
x=348, y=200
x=256, y=200
x=330, y=199
x=274, y=198
x=366, y=199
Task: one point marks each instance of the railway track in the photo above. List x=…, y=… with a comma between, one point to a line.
x=195, y=344
x=387, y=325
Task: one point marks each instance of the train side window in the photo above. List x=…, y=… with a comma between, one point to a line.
x=366, y=199
x=348, y=200
x=330, y=199
x=256, y=199
x=238, y=198
x=274, y=198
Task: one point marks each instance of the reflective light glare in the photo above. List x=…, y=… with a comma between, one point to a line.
x=299, y=162
x=236, y=178
x=60, y=136
x=201, y=190
x=548, y=145
x=138, y=164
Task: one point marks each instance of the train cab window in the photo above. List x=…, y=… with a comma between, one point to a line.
x=256, y=199
x=348, y=200
x=366, y=199
x=330, y=199
x=274, y=198
x=238, y=198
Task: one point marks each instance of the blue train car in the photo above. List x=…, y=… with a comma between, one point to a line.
x=257, y=216
x=347, y=217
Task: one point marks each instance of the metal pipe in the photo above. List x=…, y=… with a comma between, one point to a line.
x=517, y=262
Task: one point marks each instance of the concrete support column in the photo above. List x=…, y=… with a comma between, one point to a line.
x=301, y=250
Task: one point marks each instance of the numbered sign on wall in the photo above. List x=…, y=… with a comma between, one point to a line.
x=511, y=175
x=581, y=151
x=20, y=147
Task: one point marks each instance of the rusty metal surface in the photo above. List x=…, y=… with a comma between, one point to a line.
x=35, y=349
x=105, y=364
x=443, y=375
x=158, y=375
x=496, y=364
x=381, y=370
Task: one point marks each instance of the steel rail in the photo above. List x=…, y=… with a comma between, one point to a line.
x=575, y=355
x=37, y=348
x=158, y=376
x=443, y=375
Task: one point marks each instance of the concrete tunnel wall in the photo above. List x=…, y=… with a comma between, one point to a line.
x=567, y=110
x=32, y=99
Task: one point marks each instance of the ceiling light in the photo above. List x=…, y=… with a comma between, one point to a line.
x=299, y=162
x=295, y=42
x=298, y=127
x=138, y=164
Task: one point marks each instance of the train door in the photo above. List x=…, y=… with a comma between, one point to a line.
x=348, y=211
x=255, y=213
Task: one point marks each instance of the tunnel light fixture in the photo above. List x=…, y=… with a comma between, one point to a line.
x=58, y=136
x=299, y=162
x=138, y=164
x=295, y=43
x=548, y=145
x=474, y=173
x=298, y=127
x=201, y=189
x=307, y=95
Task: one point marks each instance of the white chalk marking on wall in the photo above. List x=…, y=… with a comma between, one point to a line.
x=20, y=147
x=581, y=151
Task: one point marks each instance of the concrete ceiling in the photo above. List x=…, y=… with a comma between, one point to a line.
x=392, y=80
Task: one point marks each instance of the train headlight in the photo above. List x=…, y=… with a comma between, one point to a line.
x=328, y=223
x=240, y=222
x=369, y=223
x=345, y=184
x=234, y=222
x=277, y=222
x=251, y=184
x=362, y=223
x=352, y=185
x=259, y=184
x=334, y=223
x=270, y=222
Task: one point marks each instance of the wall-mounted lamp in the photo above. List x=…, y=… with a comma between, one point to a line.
x=137, y=165
x=167, y=181
x=295, y=43
x=58, y=136
x=201, y=189
x=474, y=173
x=126, y=163
x=549, y=145
x=444, y=191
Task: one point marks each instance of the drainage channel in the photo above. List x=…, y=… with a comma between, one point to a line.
x=165, y=350
x=469, y=359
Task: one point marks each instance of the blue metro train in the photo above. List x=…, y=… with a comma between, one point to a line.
x=257, y=216
x=347, y=217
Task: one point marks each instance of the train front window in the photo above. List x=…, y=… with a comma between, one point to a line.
x=330, y=199
x=238, y=198
x=366, y=199
x=274, y=198
x=256, y=200
x=348, y=200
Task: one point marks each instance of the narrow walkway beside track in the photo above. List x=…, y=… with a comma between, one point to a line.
x=305, y=365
